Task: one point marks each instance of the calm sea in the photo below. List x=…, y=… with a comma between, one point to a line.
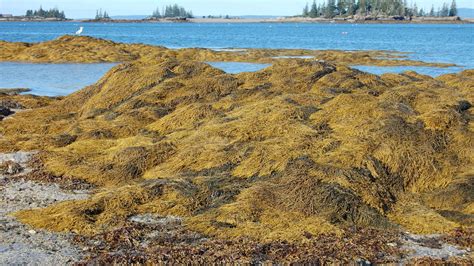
x=452, y=43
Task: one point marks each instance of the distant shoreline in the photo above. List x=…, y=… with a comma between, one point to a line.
x=336, y=20
x=420, y=20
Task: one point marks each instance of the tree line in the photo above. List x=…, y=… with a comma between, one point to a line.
x=172, y=11
x=344, y=8
x=51, y=13
x=100, y=15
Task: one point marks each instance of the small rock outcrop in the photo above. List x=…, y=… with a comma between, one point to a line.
x=10, y=168
x=4, y=112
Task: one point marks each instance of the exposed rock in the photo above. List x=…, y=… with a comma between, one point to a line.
x=20, y=244
x=10, y=104
x=10, y=168
x=63, y=140
x=5, y=111
x=463, y=106
x=17, y=157
x=431, y=246
x=12, y=92
x=153, y=219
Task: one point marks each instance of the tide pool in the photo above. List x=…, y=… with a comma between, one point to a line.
x=51, y=79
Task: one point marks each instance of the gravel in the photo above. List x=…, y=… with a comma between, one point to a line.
x=422, y=246
x=20, y=244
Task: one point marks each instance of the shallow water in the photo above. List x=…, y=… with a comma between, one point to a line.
x=430, y=71
x=50, y=79
x=238, y=67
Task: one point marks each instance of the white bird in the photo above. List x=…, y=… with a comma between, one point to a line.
x=79, y=31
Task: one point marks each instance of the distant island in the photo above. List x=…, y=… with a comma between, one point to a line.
x=169, y=13
x=40, y=14
x=327, y=11
x=172, y=11
x=395, y=8
x=384, y=10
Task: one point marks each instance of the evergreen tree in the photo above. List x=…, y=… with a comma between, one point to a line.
x=182, y=12
x=415, y=10
x=401, y=9
x=41, y=12
x=175, y=10
x=306, y=10
x=172, y=11
x=453, y=10
x=351, y=9
x=330, y=11
x=341, y=7
x=444, y=10
x=99, y=15
x=322, y=10
x=314, y=10
x=51, y=13
x=432, y=11
x=421, y=13
x=406, y=11
x=156, y=13
x=362, y=7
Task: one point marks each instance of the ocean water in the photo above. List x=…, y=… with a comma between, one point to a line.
x=448, y=43
x=444, y=43
x=50, y=79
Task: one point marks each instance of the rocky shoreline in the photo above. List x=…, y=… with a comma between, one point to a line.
x=361, y=20
x=153, y=234
x=21, y=244
x=169, y=160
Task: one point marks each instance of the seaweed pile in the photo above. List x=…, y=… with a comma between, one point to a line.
x=303, y=147
x=11, y=101
x=82, y=49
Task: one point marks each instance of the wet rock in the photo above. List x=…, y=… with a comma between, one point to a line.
x=22, y=245
x=10, y=104
x=10, y=168
x=63, y=140
x=17, y=157
x=463, y=106
x=153, y=219
x=420, y=246
x=337, y=90
x=11, y=92
x=5, y=111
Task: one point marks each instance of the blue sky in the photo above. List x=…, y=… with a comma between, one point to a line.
x=87, y=8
